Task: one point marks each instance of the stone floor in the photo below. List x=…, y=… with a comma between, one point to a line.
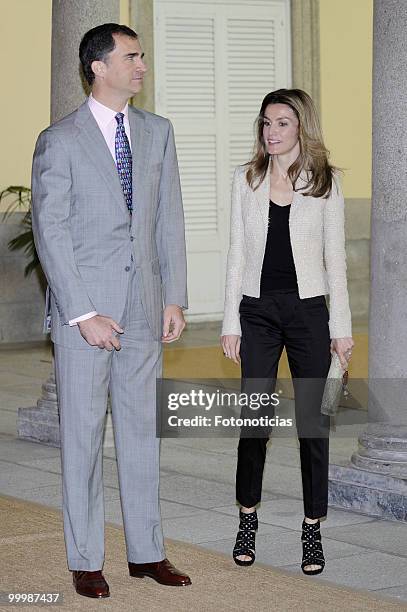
x=197, y=488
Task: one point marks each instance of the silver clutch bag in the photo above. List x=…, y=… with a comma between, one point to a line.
x=335, y=383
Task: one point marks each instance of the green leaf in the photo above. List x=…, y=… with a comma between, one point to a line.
x=21, y=196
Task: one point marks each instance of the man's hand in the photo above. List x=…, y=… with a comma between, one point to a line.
x=231, y=347
x=343, y=347
x=174, y=323
x=100, y=331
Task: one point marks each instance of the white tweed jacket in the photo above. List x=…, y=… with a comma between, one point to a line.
x=317, y=235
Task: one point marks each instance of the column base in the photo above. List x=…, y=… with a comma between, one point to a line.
x=382, y=449
x=39, y=424
x=368, y=492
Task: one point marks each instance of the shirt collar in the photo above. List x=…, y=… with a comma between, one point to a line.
x=104, y=114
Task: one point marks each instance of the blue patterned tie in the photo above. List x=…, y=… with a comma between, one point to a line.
x=124, y=161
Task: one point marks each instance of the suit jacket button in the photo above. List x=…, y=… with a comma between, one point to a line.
x=127, y=268
x=131, y=238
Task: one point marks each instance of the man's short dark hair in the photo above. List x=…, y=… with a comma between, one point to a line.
x=97, y=43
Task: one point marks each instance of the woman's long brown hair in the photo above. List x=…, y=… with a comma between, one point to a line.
x=313, y=157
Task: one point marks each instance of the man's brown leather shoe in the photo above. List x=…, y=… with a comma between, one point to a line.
x=161, y=571
x=90, y=584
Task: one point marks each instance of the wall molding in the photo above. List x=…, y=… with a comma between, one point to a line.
x=142, y=21
x=305, y=48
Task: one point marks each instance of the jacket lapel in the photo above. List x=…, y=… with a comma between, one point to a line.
x=297, y=196
x=262, y=194
x=141, y=140
x=95, y=147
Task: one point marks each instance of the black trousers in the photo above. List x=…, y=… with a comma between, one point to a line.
x=270, y=323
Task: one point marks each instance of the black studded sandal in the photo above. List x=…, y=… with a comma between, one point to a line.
x=312, y=553
x=246, y=538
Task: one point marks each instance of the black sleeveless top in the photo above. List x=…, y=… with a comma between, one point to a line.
x=278, y=271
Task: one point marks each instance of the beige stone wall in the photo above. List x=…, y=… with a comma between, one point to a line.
x=357, y=230
x=25, y=47
x=346, y=34
x=21, y=299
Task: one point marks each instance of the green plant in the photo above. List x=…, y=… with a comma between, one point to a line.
x=21, y=197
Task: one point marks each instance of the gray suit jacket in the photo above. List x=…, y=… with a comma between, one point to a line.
x=82, y=229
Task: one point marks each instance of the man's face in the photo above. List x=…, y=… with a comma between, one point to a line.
x=123, y=70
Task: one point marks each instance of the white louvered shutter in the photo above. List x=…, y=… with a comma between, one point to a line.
x=214, y=62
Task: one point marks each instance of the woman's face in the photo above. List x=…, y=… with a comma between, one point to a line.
x=280, y=129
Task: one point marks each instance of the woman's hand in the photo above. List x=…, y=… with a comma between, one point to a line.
x=343, y=348
x=231, y=347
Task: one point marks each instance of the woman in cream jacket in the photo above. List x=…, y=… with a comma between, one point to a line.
x=287, y=251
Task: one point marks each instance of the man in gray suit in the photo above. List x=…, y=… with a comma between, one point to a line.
x=109, y=231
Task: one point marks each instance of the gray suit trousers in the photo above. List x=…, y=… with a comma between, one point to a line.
x=84, y=378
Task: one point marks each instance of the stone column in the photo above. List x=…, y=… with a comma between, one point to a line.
x=376, y=480
x=70, y=20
